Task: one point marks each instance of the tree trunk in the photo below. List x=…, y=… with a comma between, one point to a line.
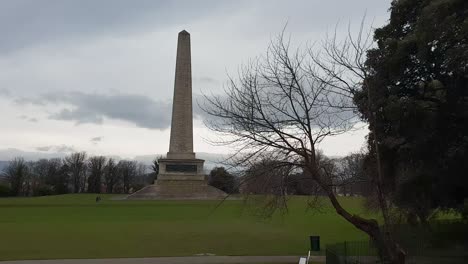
x=388, y=248
x=76, y=183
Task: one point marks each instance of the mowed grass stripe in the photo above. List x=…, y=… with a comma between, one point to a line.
x=74, y=226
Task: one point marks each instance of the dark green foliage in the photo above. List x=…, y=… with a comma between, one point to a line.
x=464, y=210
x=436, y=238
x=350, y=252
x=418, y=86
x=43, y=190
x=442, y=241
x=4, y=190
x=223, y=180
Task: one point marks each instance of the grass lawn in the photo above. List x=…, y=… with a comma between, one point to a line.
x=74, y=226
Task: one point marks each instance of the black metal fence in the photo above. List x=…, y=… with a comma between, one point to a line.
x=437, y=242
x=351, y=252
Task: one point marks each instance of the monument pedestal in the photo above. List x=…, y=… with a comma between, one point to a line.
x=180, y=169
x=180, y=179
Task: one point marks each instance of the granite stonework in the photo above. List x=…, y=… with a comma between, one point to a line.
x=181, y=142
x=181, y=174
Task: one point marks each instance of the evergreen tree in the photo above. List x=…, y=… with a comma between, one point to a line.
x=418, y=93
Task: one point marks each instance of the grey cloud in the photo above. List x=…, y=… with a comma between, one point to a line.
x=93, y=108
x=10, y=153
x=28, y=22
x=206, y=79
x=4, y=92
x=57, y=148
x=26, y=100
x=95, y=140
x=30, y=119
x=199, y=102
x=80, y=115
x=44, y=148
x=64, y=148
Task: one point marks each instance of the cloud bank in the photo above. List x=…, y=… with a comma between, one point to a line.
x=93, y=108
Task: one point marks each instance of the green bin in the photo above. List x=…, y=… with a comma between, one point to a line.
x=314, y=243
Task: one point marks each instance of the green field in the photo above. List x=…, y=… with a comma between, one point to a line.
x=74, y=226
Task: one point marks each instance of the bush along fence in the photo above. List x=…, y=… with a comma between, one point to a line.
x=351, y=252
x=436, y=242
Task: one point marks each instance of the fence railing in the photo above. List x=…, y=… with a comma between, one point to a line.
x=443, y=238
x=437, y=242
x=351, y=252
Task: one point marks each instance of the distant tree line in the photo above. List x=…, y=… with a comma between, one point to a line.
x=347, y=176
x=75, y=173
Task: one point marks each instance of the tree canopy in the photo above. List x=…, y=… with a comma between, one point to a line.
x=417, y=89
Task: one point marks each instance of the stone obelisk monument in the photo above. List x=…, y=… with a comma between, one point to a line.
x=181, y=174
x=181, y=143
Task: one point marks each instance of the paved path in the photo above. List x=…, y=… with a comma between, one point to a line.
x=175, y=260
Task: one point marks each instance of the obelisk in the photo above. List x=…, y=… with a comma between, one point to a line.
x=181, y=142
x=181, y=174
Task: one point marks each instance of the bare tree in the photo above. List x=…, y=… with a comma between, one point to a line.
x=285, y=103
x=267, y=176
x=111, y=175
x=57, y=176
x=96, y=172
x=341, y=64
x=76, y=167
x=128, y=172
x=351, y=178
x=39, y=178
x=17, y=173
x=142, y=178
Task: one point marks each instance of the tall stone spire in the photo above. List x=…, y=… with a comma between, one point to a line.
x=181, y=175
x=181, y=143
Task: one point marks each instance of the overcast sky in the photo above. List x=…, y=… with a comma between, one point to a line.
x=98, y=76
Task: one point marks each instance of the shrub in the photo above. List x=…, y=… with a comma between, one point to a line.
x=43, y=191
x=464, y=211
x=5, y=190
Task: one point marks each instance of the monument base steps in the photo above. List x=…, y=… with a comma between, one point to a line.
x=178, y=190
